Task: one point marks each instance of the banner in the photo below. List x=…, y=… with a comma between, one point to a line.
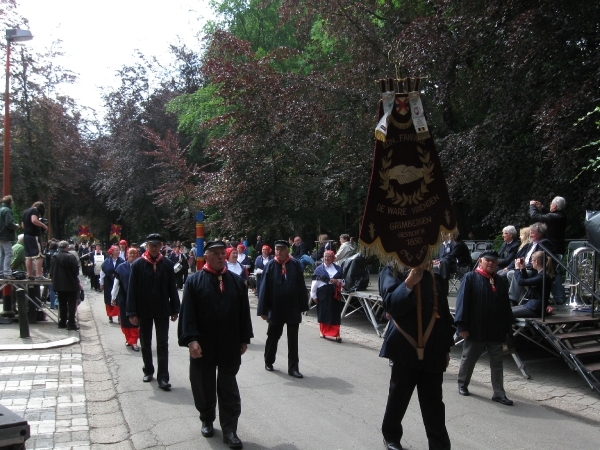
x=83, y=232
x=115, y=231
x=408, y=203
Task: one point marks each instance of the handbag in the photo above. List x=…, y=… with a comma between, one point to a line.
x=177, y=267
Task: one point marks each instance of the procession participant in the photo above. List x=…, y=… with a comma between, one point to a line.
x=260, y=263
x=123, y=249
x=152, y=299
x=483, y=319
x=215, y=325
x=119, y=298
x=65, y=282
x=243, y=258
x=107, y=280
x=419, y=296
x=233, y=265
x=97, y=258
x=7, y=236
x=282, y=300
x=326, y=292
x=33, y=227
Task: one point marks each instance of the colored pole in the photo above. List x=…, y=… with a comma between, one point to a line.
x=199, y=240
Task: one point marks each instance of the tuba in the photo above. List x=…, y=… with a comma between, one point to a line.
x=585, y=266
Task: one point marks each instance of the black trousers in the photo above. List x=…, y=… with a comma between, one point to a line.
x=429, y=389
x=162, y=345
x=208, y=385
x=274, y=332
x=67, y=306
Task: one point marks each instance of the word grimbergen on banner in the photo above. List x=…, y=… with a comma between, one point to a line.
x=408, y=203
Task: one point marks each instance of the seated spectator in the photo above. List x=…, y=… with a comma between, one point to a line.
x=459, y=255
x=324, y=245
x=539, y=280
x=300, y=253
x=510, y=247
x=345, y=250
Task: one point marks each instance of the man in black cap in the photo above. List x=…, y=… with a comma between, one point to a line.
x=152, y=299
x=215, y=325
x=282, y=299
x=64, y=270
x=483, y=319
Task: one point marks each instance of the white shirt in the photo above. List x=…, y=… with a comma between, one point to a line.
x=316, y=284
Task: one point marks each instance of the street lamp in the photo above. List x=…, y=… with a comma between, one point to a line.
x=12, y=35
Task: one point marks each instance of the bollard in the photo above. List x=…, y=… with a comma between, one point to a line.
x=7, y=306
x=23, y=320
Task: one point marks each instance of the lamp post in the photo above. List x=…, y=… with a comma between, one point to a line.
x=12, y=35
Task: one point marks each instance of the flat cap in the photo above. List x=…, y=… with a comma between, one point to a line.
x=489, y=254
x=154, y=237
x=214, y=244
x=282, y=243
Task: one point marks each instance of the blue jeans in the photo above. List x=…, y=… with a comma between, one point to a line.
x=6, y=254
x=305, y=260
x=52, y=297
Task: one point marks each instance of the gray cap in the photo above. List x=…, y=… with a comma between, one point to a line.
x=63, y=244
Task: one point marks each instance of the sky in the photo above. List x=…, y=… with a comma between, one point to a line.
x=98, y=37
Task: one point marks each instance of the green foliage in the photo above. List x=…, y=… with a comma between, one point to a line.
x=594, y=164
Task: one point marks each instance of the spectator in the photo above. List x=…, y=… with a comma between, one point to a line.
x=18, y=260
x=324, y=244
x=300, y=253
x=538, y=283
x=65, y=282
x=7, y=235
x=345, y=251
x=33, y=229
x=192, y=257
x=459, y=255
x=510, y=247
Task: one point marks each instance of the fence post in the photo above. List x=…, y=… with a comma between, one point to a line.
x=23, y=319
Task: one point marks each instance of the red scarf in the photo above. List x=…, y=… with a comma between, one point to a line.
x=209, y=269
x=148, y=258
x=283, y=263
x=482, y=272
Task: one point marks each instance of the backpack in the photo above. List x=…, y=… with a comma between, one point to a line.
x=355, y=273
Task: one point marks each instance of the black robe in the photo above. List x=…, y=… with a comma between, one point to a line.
x=401, y=305
x=283, y=298
x=260, y=263
x=108, y=267
x=218, y=321
x=152, y=294
x=485, y=314
x=329, y=309
x=122, y=274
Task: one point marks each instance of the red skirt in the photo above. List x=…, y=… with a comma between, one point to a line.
x=329, y=330
x=131, y=335
x=112, y=311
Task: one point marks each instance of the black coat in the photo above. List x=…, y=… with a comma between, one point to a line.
x=557, y=224
x=534, y=282
x=508, y=253
x=152, y=294
x=401, y=305
x=485, y=314
x=283, y=298
x=523, y=252
x=64, y=272
x=122, y=274
x=218, y=321
x=459, y=252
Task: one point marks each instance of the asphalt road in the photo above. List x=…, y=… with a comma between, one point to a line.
x=338, y=405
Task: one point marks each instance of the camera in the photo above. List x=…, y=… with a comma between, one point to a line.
x=44, y=221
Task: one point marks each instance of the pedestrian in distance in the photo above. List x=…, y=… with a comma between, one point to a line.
x=326, y=292
x=64, y=271
x=282, y=300
x=119, y=298
x=107, y=280
x=152, y=299
x=33, y=229
x=216, y=327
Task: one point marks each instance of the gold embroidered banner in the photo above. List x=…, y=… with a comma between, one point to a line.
x=408, y=203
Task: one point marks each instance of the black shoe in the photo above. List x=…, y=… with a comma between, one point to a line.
x=62, y=325
x=503, y=400
x=207, y=429
x=232, y=439
x=462, y=390
x=73, y=327
x=147, y=378
x=269, y=367
x=294, y=373
x=110, y=320
x=164, y=385
x=391, y=445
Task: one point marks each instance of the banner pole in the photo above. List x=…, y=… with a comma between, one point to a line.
x=199, y=240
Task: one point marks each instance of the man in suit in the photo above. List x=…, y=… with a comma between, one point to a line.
x=510, y=247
